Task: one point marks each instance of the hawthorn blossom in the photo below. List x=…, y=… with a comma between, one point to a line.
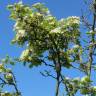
x=56, y=30
x=21, y=32
x=24, y=54
x=73, y=20
x=76, y=46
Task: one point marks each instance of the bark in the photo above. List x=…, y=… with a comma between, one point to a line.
x=57, y=84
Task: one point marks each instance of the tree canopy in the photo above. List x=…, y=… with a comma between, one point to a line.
x=57, y=44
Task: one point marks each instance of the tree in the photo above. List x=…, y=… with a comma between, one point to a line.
x=57, y=44
x=7, y=78
x=43, y=33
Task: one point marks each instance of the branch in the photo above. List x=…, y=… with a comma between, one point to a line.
x=47, y=74
x=67, y=90
x=46, y=63
x=91, y=48
x=78, y=68
x=3, y=80
x=15, y=84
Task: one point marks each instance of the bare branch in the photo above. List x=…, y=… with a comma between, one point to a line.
x=47, y=74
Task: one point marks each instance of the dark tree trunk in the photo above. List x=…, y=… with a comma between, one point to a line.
x=57, y=83
x=57, y=88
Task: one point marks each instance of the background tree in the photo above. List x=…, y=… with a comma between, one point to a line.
x=7, y=78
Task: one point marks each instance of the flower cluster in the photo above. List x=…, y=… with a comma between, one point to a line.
x=6, y=78
x=67, y=24
x=56, y=30
x=80, y=84
x=73, y=20
x=25, y=54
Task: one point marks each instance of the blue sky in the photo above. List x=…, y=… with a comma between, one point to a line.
x=30, y=82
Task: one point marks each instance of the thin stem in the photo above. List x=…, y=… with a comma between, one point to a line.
x=17, y=91
x=91, y=48
x=66, y=88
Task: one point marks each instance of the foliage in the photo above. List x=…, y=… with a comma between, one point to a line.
x=47, y=39
x=43, y=33
x=7, y=78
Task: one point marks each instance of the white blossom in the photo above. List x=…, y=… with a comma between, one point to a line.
x=94, y=88
x=91, y=31
x=1, y=65
x=75, y=46
x=20, y=2
x=77, y=78
x=16, y=27
x=73, y=20
x=48, y=13
x=85, y=79
x=38, y=14
x=56, y=30
x=9, y=76
x=24, y=54
x=21, y=33
x=36, y=4
x=62, y=20
x=49, y=18
x=67, y=78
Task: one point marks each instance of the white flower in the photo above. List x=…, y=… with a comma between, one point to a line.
x=21, y=33
x=52, y=23
x=24, y=54
x=62, y=20
x=38, y=14
x=8, y=76
x=49, y=18
x=73, y=20
x=36, y=4
x=1, y=68
x=25, y=17
x=20, y=2
x=95, y=29
x=1, y=65
x=67, y=78
x=85, y=79
x=48, y=13
x=16, y=27
x=76, y=79
x=94, y=88
x=76, y=46
x=91, y=31
x=73, y=17
x=2, y=94
x=56, y=30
